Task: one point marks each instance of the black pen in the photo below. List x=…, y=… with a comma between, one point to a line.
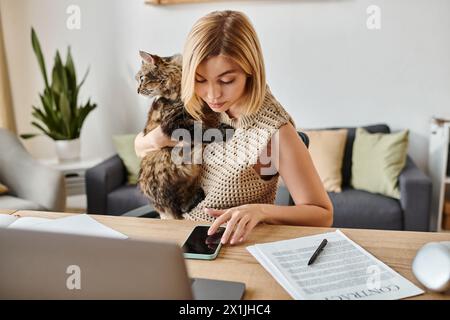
x=318, y=251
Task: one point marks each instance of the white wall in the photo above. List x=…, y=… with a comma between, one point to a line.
x=323, y=64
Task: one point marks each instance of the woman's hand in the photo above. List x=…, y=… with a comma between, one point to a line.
x=152, y=141
x=240, y=221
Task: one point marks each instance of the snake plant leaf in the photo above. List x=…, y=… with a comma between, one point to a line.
x=38, y=52
x=59, y=78
x=82, y=81
x=48, y=95
x=37, y=125
x=29, y=135
x=65, y=113
x=70, y=66
x=38, y=114
x=45, y=119
x=71, y=78
x=56, y=82
x=53, y=135
x=63, y=72
x=51, y=115
x=60, y=117
x=85, y=110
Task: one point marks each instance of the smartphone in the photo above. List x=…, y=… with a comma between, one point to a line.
x=201, y=246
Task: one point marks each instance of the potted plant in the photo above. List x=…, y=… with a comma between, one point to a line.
x=60, y=117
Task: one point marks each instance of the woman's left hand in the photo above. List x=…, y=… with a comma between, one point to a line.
x=240, y=221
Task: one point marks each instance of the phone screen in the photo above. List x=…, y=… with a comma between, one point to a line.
x=200, y=243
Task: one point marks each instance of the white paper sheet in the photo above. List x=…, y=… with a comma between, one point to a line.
x=7, y=219
x=27, y=222
x=81, y=224
x=342, y=271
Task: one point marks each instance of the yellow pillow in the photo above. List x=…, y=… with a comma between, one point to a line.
x=327, y=152
x=3, y=189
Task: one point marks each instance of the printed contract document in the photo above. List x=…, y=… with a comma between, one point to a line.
x=342, y=271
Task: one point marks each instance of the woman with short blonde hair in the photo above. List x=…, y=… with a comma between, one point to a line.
x=228, y=33
x=223, y=69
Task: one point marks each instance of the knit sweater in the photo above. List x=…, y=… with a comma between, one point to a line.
x=228, y=177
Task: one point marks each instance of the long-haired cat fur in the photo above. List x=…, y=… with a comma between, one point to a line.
x=172, y=188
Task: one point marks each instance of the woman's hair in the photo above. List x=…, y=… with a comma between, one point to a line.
x=229, y=33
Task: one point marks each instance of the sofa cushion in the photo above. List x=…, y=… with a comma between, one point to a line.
x=124, y=199
x=3, y=189
x=377, y=161
x=347, y=163
x=327, y=152
x=11, y=202
x=362, y=209
x=124, y=145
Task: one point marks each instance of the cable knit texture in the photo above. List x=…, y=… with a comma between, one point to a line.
x=228, y=177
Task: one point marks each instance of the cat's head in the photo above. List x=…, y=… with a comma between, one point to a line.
x=159, y=76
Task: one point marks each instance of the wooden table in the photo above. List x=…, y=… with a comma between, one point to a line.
x=7, y=211
x=395, y=248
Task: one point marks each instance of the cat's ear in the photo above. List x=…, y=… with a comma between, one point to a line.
x=177, y=59
x=149, y=58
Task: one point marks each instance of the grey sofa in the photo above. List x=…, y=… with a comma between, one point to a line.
x=107, y=189
x=32, y=186
x=360, y=209
x=108, y=193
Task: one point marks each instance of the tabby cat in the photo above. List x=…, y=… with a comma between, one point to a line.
x=172, y=188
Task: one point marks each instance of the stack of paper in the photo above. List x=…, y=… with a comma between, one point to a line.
x=342, y=271
x=80, y=224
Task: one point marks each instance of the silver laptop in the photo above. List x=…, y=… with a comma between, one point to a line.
x=41, y=265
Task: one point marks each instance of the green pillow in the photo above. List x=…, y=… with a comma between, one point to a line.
x=124, y=145
x=377, y=161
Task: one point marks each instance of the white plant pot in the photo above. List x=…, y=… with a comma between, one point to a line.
x=68, y=150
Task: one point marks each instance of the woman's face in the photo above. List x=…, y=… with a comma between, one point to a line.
x=220, y=82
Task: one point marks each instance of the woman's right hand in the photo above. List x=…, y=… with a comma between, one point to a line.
x=152, y=141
